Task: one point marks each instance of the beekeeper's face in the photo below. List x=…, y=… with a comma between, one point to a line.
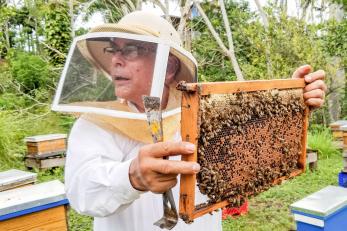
x=132, y=68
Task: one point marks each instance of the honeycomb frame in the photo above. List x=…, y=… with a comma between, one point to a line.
x=190, y=131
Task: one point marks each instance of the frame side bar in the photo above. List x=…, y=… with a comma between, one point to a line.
x=302, y=159
x=189, y=132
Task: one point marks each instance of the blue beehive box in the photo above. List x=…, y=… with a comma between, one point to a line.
x=35, y=207
x=323, y=210
x=343, y=179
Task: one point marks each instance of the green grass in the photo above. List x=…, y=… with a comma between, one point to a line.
x=270, y=210
x=322, y=141
x=267, y=211
x=18, y=124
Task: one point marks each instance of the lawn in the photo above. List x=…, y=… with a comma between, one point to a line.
x=267, y=211
x=270, y=210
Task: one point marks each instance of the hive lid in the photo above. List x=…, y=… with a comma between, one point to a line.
x=14, y=175
x=45, y=137
x=322, y=203
x=338, y=123
x=19, y=199
x=344, y=127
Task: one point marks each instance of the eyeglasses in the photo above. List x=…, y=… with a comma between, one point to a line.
x=129, y=52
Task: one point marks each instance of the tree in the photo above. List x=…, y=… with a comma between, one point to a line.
x=57, y=31
x=230, y=51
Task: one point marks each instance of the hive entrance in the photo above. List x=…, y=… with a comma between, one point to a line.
x=249, y=136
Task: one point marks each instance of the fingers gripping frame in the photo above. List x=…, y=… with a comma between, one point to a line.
x=193, y=131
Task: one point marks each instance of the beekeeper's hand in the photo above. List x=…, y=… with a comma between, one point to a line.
x=150, y=172
x=314, y=92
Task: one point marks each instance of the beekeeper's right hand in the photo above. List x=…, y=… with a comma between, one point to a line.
x=150, y=172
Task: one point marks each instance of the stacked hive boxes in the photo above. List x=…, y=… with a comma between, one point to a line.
x=336, y=129
x=343, y=173
x=45, y=151
x=339, y=130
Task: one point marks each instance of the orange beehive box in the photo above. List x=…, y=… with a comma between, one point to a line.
x=336, y=128
x=344, y=136
x=36, y=207
x=43, y=144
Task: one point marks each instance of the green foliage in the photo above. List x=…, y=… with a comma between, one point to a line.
x=57, y=31
x=16, y=125
x=7, y=13
x=113, y=11
x=78, y=222
x=320, y=139
x=291, y=43
x=335, y=45
x=12, y=101
x=31, y=72
x=213, y=65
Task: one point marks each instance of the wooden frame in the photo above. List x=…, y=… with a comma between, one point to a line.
x=190, y=130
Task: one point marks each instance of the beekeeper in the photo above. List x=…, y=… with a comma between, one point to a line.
x=113, y=172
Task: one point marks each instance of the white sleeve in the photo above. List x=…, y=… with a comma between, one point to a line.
x=96, y=177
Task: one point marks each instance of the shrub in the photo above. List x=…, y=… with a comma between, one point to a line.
x=320, y=139
x=31, y=71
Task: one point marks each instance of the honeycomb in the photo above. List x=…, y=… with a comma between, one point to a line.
x=246, y=141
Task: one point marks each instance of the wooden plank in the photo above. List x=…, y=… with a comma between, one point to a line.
x=311, y=157
x=345, y=139
x=302, y=159
x=17, y=184
x=53, y=219
x=46, y=146
x=57, y=154
x=249, y=86
x=208, y=209
x=189, y=132
x=44, y=163
x=52, y=162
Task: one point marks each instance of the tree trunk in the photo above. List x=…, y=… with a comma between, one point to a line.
x=182, y=30
x=230, y=53
x=71, y=19
x=267, y=40
x=338, y=82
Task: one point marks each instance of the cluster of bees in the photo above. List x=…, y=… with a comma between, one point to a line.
x=246, y=141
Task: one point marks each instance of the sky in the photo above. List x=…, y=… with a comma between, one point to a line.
x=97, y=18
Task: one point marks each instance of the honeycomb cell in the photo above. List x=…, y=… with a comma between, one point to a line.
x=246, y=141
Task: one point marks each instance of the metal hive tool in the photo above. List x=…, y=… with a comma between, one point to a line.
x=249, y=136
x=154, y=119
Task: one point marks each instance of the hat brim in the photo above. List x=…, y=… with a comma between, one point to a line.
x=186, y=72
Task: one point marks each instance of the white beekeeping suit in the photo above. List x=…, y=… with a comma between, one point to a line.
x=112, y=126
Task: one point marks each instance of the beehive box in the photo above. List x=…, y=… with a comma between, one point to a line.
x=336, y=128
x=35, y=207
x=249, y=136
x=45, y=161
x=344, y=137
x=344, y=159
x=14, y=178
x=325, y=210
x=45, y=144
